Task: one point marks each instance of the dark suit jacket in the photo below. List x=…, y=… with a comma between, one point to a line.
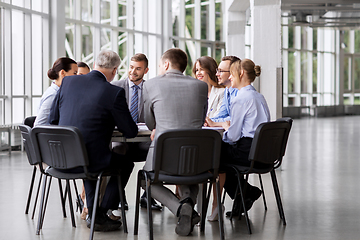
x=125, y=85
x=95, y=106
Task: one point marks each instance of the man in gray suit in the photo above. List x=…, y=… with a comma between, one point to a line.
x=174, y=101
x=138, y=68
x=133, y=86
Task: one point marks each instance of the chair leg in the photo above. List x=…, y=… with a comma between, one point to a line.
x=96, y=199
x=122, y=200
x=37, y=196
x=137, y=203
x=41, y=204
x=30, y=191
x=242, y=199
x=46, y=201
x=77, y=196
x=219, y=205
x=70, y=203
x=277, y=195
x=263, y=193
x=204, y=206
x=149, y=210
x=62, y=197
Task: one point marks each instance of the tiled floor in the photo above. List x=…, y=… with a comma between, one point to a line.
x=318, y=181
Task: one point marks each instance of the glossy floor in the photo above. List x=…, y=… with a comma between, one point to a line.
x=319, y=183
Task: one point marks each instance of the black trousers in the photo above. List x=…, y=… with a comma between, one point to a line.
x=111, y=197
x=237, y=154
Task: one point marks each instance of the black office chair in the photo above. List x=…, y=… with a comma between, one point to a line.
x=183, y=157
x=30, y=152
x=268, y=147
x=273, y=175
x=62, y=148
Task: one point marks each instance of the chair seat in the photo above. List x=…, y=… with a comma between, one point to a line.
x=171, y=179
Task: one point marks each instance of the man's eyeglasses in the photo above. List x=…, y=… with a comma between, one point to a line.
x=221, y=71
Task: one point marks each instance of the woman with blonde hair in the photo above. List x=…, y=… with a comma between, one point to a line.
x=205, y=70
x=248, y=110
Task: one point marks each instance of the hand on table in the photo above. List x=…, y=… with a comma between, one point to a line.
x=226, y=125
x=208, y=122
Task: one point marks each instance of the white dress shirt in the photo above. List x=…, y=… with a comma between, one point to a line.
x=45, y=105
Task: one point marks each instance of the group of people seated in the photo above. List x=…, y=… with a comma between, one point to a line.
x=217, y=95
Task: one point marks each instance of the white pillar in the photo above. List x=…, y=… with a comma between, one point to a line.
x=57, y=30
x=266, y=51
x=235, y=19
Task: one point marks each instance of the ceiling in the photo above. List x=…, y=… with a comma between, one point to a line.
x=341, y=14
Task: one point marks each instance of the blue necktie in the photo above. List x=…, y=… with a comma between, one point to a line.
x=134, y=103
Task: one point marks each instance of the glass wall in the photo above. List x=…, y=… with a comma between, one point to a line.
x=23, y=53
x=125, y=26
x=309, y=65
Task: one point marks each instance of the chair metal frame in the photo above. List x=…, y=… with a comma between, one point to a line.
x=25, y=129
x=62, y=148
x=267, y=152
x=184, y=157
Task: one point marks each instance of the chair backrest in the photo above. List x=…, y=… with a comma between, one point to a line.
x=290, y=121
x=187, y=152
x=29, y=121
x=60, y=147
x=268, y=143
x=28, y=145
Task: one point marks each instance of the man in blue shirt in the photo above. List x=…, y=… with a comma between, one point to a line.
x=223, y=74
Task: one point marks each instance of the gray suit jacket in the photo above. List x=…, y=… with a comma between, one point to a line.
x=125, y=85
x=173, y=101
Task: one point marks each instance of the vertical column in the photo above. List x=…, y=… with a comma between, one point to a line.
x=266, y=32
x=57, y=29
x=145, y=27
x=78, y=32
x=181, y=20
x=339, y=63
x=167, y=25
x=235, y=27
x=96, y=30
x=130, y=25
x=28, y=63
x=7, y=51
x=197, y=29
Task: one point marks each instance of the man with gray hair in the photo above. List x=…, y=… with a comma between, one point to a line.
x=93, y=105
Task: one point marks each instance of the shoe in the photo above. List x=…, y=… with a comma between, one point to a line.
x=154, y=205
x=215, y=214
x=103, y=223
x=184, y=225
x=195, y=218
x=254, y=194
x=126, y=206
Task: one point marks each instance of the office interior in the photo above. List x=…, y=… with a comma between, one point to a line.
x=309, y=52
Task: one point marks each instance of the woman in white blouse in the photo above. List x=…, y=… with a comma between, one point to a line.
x=205, y=70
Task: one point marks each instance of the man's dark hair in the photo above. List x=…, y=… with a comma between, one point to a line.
x=177, y=58
x=232, y=59
x=83, y=65
x=139, y=57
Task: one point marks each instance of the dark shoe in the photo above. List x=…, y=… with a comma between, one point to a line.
x=126, y=206
x=195, y=218
x=184, y=225
x=154, y=205
x=254, y=194
x=103, y=223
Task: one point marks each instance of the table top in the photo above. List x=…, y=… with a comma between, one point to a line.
x=144, y=134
